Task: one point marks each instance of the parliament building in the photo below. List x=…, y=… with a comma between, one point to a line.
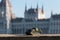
x=33, y=18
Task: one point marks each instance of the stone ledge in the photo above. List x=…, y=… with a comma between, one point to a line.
x=29, y=37
x=21, y=35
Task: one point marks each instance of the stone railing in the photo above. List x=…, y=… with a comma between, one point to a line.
x=30, y=37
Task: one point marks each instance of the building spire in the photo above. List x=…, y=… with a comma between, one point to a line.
x=25, y=7
x=51, y=13
x=42, y=9
x=37, y=6
x=31, y=6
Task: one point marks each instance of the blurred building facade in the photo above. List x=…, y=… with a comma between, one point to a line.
x=33, y=18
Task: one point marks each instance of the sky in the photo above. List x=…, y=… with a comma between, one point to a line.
x=18, y=6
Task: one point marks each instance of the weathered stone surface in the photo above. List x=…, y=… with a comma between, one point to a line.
x=27, y=37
